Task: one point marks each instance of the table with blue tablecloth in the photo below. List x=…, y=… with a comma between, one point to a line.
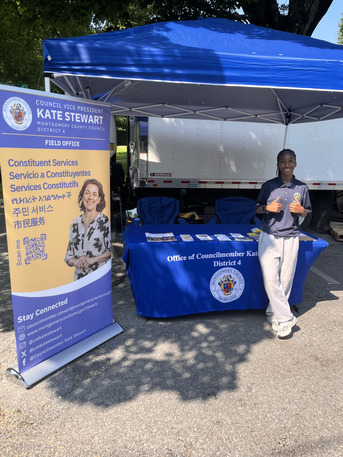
x=176, y=270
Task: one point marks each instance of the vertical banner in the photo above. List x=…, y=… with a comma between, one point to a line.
x=55, y=175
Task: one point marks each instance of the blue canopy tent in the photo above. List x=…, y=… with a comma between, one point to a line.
x=206, y=69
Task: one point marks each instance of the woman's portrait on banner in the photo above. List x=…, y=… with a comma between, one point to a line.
x=89, y=245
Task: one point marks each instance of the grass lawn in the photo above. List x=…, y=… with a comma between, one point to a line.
x=122, y=157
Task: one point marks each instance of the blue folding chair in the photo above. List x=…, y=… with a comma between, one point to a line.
x=234, y=210
x=158, y=211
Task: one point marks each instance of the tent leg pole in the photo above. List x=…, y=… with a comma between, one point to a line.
x=47, y=84
x=285, y=137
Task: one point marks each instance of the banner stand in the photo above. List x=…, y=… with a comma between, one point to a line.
x=54, y=363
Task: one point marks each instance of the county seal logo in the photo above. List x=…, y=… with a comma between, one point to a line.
x=227, y=284
x=17, y=113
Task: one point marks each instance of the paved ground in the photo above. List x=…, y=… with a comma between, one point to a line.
x=218, y=384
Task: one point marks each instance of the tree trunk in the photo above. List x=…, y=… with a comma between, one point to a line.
x=302, y=18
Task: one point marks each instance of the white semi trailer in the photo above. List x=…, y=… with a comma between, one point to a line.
x=201, y=160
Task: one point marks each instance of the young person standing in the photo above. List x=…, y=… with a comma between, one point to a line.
x=281, y=201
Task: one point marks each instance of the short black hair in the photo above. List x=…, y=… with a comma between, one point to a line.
x=284, y=151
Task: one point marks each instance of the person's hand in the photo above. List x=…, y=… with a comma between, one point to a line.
x=295, y=207
x=85, y=260
x=78, y=263
x=82, y=262
x=274, y=207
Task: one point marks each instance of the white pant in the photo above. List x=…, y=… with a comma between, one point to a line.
x=278, y=257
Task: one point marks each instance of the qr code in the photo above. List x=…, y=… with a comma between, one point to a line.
x=35, y=248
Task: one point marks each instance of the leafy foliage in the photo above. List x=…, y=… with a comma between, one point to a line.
x=340, y=31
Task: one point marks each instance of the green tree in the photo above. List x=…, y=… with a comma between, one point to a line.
x=340, y=32
x=23, y=26
x=25, y=23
